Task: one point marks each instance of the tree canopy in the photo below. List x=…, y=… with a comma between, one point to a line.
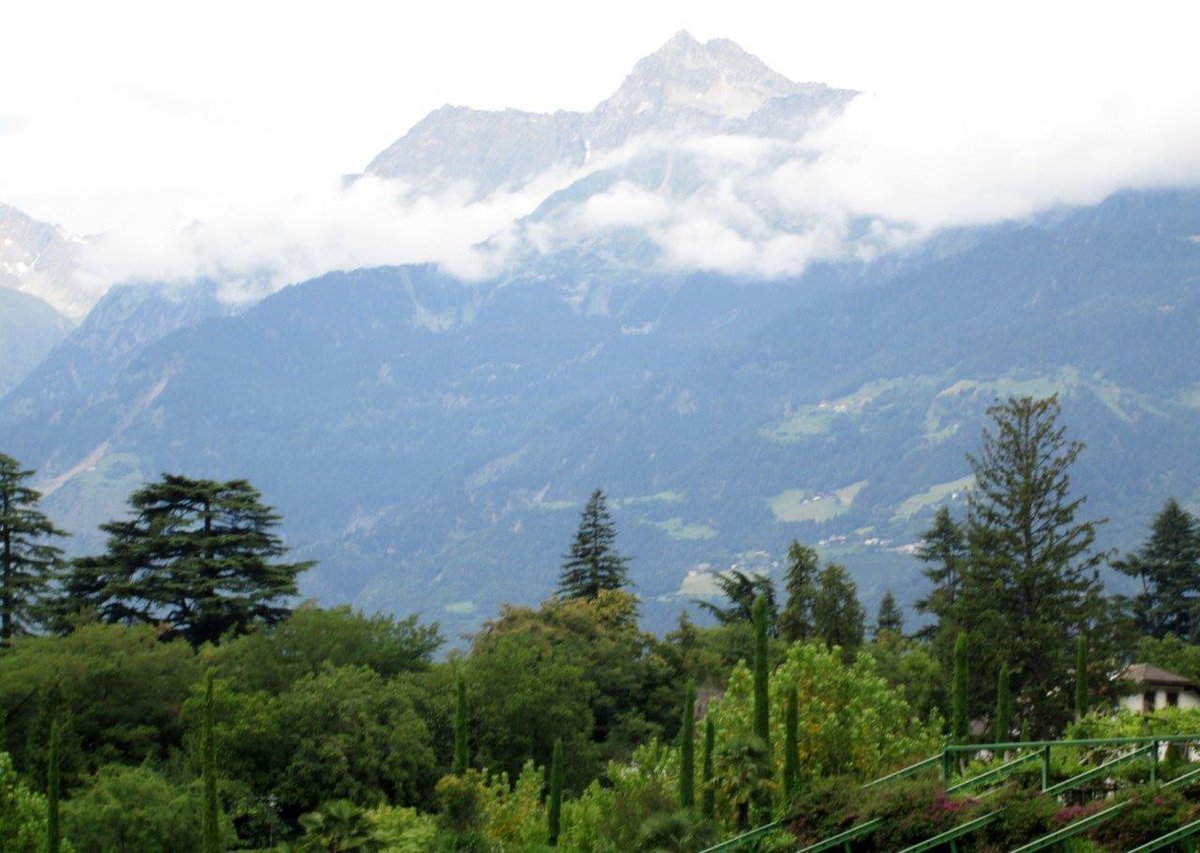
x=198, y=557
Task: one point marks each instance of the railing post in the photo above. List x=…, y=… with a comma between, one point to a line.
x=1153, y=762
x=946, y=764
x=1045, y=767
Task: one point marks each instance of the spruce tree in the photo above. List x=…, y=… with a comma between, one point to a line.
x=212, y=826
x=838, y=617
x=959, y=715
x=198, y=556
x=461, y=758
x=1032, y=579
x=800, y=581
x=1002, y=729
x=27, y=560
x=943, y=548
x=687, y=749
x=890, y=617
x=593, y=563
x=708, y=792
x=554, y=811
x=53, y=826
x=1168, y=566
x=791, y=747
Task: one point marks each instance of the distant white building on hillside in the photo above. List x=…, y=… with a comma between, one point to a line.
x=1155, y=688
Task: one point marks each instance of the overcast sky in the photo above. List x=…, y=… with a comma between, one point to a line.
x=136, y=117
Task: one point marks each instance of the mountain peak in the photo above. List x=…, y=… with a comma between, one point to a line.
x=716, y=77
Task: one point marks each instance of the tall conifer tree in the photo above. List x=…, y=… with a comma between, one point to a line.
x=593, y=563
x=1032, y=579
x=800, y=582
x=1168, y=566
x=27, y=559
x=687, y=749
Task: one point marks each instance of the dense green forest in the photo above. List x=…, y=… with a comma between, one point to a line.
x=169, y=693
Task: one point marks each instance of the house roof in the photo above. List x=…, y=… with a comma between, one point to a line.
x=1149, y=674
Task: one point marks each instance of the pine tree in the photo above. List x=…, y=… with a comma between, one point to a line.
x=593, y=563
x=212, y=826
x=687, y=749
x=197, y=556
x=800, y=581
x=1002, y=729
x=959, y=715
x=1081, y=676
x=708, y=793
x=554, y=811
x=1168, y=566
x=1033, y=580
x=838, y=617
x=27, y=561
x=890, y=617
x=791, y=747
x=461, y=758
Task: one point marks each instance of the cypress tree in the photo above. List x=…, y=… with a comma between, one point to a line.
x=1081, y=684
x=708, y=795
x=53, y=829
x=762, y=712
x=762, y=708
x=959, y=718
x=687, y=749
x=212, y=827
x=554, y=812
x=461, y=758
x=1003, y=728
x=791, y=749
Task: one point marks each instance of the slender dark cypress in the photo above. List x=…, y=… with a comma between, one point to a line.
x=461, y=758
x=762, y=712
x=708, y=796
x=687, y=749
x=791, y=747
x=1003, y=729
x=958, y=708
x=554, y=813
x=212, y=827
x=1081, y=675
x=762, y=709
x=53, y=829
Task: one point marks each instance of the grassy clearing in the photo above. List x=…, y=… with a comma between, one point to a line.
x=677, y=528
x=931, y=497
x=795, y=505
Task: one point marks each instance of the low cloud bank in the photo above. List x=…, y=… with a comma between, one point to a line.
x=884, y=174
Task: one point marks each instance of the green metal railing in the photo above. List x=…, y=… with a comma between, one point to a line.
x=1145, y=746
x=1185, y=834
